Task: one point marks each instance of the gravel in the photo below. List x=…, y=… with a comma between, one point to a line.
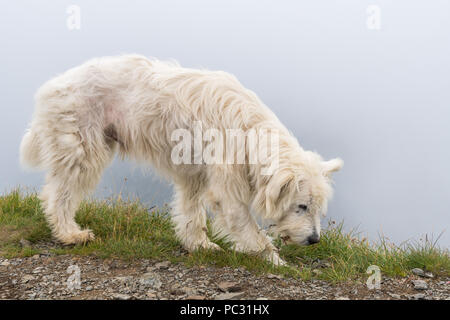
x=48, y=276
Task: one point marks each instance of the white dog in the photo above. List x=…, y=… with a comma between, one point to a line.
x=132, y=105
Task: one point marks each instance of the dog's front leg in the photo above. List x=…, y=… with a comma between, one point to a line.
x=190, y=220
x=237, y=222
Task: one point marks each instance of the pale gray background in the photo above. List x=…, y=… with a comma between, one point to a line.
x=378, y=99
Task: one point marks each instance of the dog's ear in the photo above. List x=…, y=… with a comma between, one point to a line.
x=331, y=166
x=280, y=187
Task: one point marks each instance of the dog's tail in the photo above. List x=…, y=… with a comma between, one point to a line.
x=30, y=150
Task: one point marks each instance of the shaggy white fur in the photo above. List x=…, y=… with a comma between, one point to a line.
x=131, y=105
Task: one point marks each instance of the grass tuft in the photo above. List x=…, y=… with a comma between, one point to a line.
x=128, y=230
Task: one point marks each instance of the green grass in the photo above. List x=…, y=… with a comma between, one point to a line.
x=127, y=230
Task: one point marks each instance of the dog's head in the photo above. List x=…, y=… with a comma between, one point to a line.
x=296, y=199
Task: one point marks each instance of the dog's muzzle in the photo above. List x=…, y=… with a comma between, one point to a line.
x=314, y=238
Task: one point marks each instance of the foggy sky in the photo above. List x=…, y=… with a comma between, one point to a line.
x=379, y=99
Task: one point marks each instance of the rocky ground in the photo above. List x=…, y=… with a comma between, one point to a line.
x=47, y=276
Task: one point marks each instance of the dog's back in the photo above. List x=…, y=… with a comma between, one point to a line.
x=122, y=96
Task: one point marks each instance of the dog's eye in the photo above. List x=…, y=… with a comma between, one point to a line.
x=303, y=207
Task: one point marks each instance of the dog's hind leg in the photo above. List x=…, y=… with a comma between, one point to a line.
x=189, y=217
x=75, y=167
x=61, y=196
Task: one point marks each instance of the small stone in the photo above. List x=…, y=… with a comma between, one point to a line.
x=188, y=290
x=228, y=286
x=37, y=270
x=418, y=272
x=151, y=295
x=418, y=296
x=123, y=279
x=196, y=297
x=89, y=288
x=27, y=278
x=395, y=296
x=262, y=298
x=120, y=296
x=176, y=291
x=151, y=279
x=342, y=298
x=230, y=296
x=420, y=285
x=25, y=243
x=317, y=272
x=5, y=263
x=274, y=276
x=162, y=265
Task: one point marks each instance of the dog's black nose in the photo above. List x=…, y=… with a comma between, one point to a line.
x=314, y=238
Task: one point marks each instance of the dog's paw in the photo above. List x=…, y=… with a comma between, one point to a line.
x=206, y=244
x=209, y=245
x=274, y=258
x=240, y=248
x=79, y=237
x=245, y=248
